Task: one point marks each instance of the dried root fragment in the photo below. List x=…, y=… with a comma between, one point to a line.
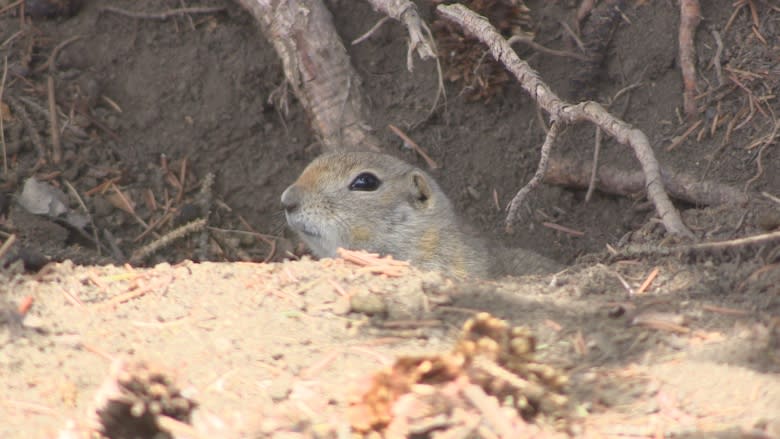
x=465, y=60
x=447, y=392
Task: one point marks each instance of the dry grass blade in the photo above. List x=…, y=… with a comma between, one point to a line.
x=411, y=143
x=164, y=15
x=690, y=16
x=2, y=128
x=7, y=246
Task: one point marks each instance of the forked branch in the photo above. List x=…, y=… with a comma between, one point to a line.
x=564, y=112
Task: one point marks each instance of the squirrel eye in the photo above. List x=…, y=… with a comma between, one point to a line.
x=365, y=181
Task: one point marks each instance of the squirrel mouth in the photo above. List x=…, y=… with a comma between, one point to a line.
x=309, y=232
x=306, y=229
x=301, y=226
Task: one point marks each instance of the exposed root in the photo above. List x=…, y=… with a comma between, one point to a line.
x=517, y=201
x=317, y=67
x=165, y=14
x=575, y=173
x=634, y=251
x=567, y=113
x=689, y=19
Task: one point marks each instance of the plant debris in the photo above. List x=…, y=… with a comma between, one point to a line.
x=466, y=60
x=419, y=394
x=134, y=398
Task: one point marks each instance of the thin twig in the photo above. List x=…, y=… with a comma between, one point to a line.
x=2, y=128
x=716, y=58
x=270, y=240
x=637, y=251
x=412, y=144
x=7, y=246
x=32, y=131
x=649, y=280
x=11, y=6
x=690, y=16
x=205, y=201
x=563, y=229
x=189, y=19
x=164, y=15
x=517, y=201
x=370, y=32
x=770, y=139
x=594, y=170
x=529, y=41
x=574, y=36
x=51, y=62
x=771, y=197
x=129, y=208
x=421, y=39
x=83, y=205
x=54, y=129
x=681, y=138
x=625, y=284
x=750, y=240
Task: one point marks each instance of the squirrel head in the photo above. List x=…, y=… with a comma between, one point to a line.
x=367, y=201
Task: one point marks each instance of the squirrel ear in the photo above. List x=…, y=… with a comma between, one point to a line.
x=420, y=189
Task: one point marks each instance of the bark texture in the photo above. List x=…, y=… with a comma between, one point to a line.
x=318, y=68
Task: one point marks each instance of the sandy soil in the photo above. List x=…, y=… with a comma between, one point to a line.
x=150, y=107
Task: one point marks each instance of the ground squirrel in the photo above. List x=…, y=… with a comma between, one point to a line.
x=378, y=203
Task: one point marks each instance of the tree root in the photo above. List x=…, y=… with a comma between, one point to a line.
x=318, y=68
x=636, y=251
x=689, y=19
x=576, y=173
x=564, y=112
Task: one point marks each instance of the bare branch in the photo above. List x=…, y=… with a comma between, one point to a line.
x=565, y=112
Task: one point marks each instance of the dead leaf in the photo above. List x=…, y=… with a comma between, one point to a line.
x=41, y=198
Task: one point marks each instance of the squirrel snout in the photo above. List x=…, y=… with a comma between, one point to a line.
x=291, y=198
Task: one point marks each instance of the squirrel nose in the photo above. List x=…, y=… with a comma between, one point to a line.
x=291, y=198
